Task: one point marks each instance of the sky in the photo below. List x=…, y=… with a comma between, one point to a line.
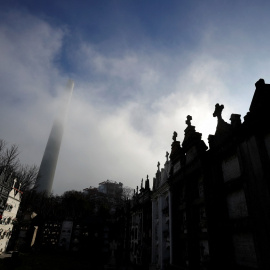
x=139, y=68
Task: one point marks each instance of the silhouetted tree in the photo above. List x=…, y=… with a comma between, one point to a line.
x=27, y=176
x=127, y=193
x=10, y=166
x=9, y=161
x=76, y=204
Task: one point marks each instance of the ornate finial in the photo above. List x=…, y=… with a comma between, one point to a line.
x=189, y=118
x=158, y=165
x=14, y=182
x=260, y=82
x=223, y=127
x=167, y=156
x=142, y=183
x=147, y=187
x=218, y=111
x=174, y=136
x=137, y=189
x=20, y=186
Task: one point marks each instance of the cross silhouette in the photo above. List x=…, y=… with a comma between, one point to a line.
x=218, y=111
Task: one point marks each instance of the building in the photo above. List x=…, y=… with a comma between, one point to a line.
x=161, y=215
x=51, y=235
x=48, y=164
x=6, y=182
x=111, y=188
x=211, y=206
x=9, y=214
x=141, y=226
x=240, y=159
x=189, y=173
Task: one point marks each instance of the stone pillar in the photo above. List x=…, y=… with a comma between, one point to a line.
x=153, y=231
x=171, y=227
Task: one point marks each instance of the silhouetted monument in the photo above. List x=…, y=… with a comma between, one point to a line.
x=49, y=161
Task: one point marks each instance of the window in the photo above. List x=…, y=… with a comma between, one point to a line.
x=236, y=203
x=231, y=168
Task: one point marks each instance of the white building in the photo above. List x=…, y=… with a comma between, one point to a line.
x=111, y=188
x=9, y=216
x=161, y=225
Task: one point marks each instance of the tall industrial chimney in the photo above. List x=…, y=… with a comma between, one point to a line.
x=48, y=164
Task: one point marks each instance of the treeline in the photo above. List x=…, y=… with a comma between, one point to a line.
x=11, y=167
x=73, y=205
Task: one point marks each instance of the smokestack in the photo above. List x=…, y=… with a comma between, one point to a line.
x=48, y=164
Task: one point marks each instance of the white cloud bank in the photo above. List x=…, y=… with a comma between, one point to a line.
x=124, y=108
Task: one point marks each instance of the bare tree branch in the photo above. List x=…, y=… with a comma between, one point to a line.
x=27, y=175
x=9, y=161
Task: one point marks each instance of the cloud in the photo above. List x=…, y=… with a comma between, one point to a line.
x=121, y=118
x=29, y=47
x=124, y=142
x=126, y=103
x=28, y=74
